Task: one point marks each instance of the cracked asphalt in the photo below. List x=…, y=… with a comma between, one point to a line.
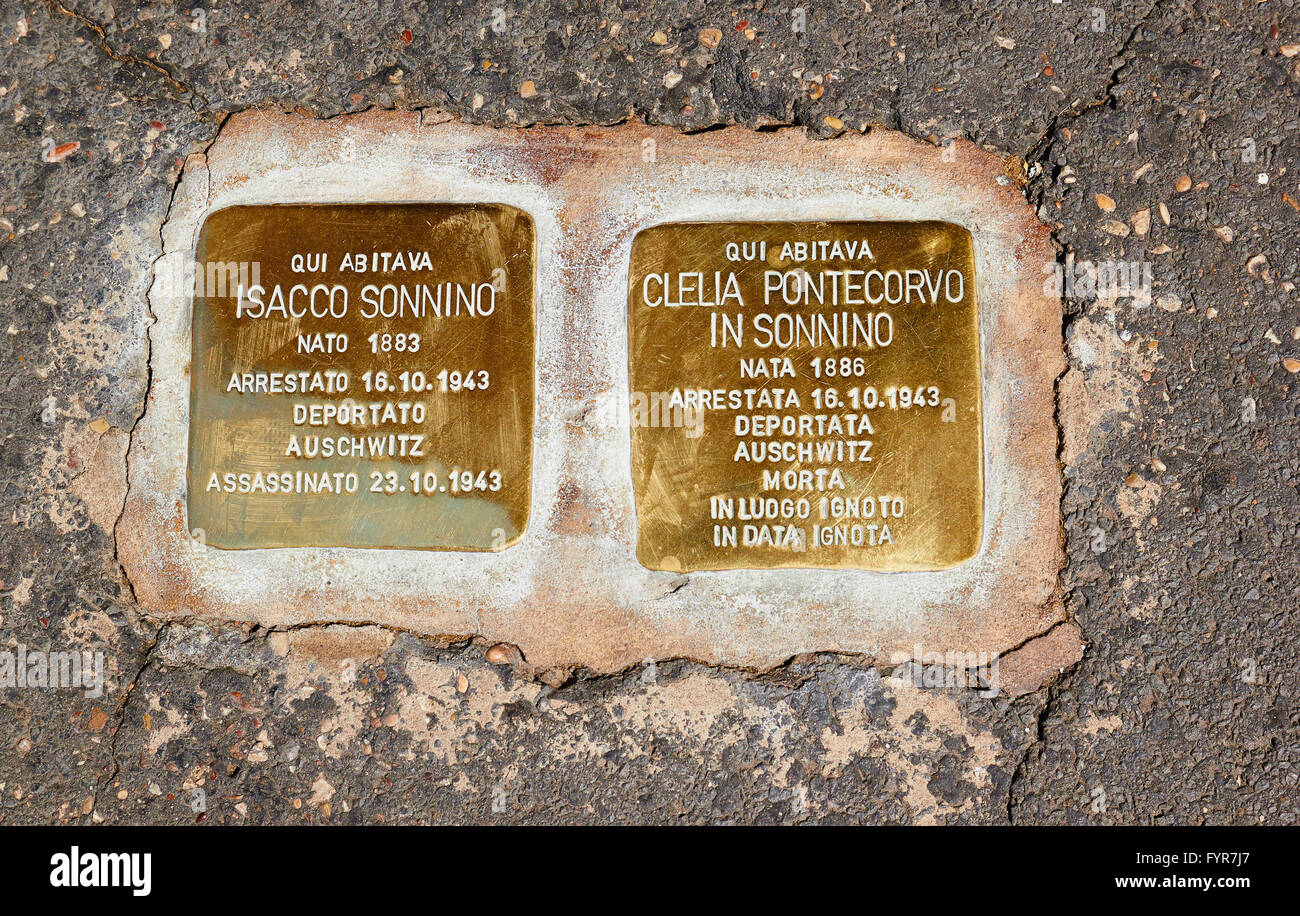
x=1160, y=134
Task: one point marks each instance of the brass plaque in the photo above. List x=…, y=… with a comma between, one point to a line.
x=363, y=376
x=805, y=394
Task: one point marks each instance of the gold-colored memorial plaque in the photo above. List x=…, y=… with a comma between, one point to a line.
x=363, y=376
x=805, y=394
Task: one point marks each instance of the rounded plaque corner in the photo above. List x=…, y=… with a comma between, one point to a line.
x=647, y=233
x=966, y=557
x=518, y=212
x=656, y=562
x=225, y=211
x=512, y=541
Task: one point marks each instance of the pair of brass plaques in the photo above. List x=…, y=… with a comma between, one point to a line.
x=802, y=394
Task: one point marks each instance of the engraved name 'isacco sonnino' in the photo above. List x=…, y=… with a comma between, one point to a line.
x=388, y=301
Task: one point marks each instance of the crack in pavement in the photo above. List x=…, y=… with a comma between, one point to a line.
x=120, y=713
x=1054, y=691
x=152, y=320
x=1034, y=158
x=102, y=43
x=1044, y=143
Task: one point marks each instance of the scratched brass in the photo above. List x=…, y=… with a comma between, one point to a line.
x=456, y=476
x=698, y=466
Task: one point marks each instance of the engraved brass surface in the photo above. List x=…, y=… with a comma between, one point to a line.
x=362, y=376
x=805, y=394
